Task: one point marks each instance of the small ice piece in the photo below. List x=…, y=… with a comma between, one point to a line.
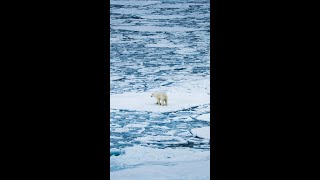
x=171, y=132
x=120, y=130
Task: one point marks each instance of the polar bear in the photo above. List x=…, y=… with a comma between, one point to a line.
x=160, y=96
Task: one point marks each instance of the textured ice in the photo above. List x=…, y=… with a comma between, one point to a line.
x=159, y=45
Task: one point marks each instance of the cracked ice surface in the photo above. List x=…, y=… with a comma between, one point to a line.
x=159, y=46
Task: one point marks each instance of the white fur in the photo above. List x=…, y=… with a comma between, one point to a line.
x=162, y=98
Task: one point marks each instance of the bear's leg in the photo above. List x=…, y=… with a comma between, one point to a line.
x=162, y=102
x=158, y=101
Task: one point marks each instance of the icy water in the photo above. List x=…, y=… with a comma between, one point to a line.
x=159, y=45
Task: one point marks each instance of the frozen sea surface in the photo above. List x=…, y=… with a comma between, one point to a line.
x=160, y=45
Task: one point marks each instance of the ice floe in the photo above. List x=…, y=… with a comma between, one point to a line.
x=162, y=140
x=203, y=132
x=144, y=102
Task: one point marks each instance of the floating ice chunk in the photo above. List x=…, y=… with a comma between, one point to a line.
x=115, y=152
x=162, y=140
x=204, y=117
x=115, y=137
x=119, y=130
x=140, y=125
x=171, y=132
x=203, y=132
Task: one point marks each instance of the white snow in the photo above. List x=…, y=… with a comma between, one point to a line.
x=204, y=117
x=203, y=132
